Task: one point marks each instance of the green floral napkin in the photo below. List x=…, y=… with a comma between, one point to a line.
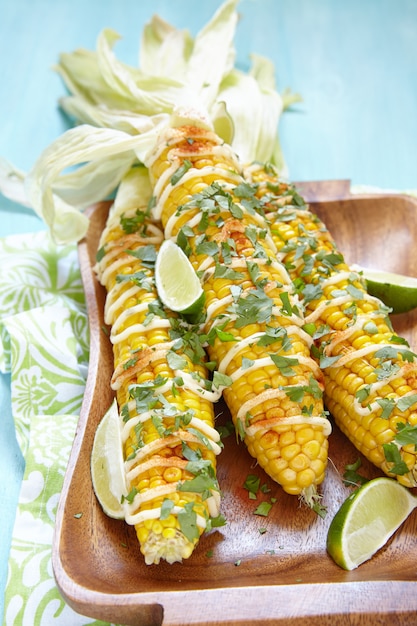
x=44, y=347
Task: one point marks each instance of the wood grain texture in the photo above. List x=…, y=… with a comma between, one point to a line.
x=255, y=570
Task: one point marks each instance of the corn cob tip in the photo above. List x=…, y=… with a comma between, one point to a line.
x=173, y=548
x=311, y=498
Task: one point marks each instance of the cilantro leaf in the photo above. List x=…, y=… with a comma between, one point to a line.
x=393, y=455
x=284, y=363
x=406, y=434
x=351, y=476
x=147, y=254
x=263, y=509
x=187, y=519
x=166, y=508
x=256, y=306
x=176, y=361
x=179, y=173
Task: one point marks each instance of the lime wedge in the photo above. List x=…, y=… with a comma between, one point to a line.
x=107, y=465
x=395, y=290
x=367, y=519
x=177, y=283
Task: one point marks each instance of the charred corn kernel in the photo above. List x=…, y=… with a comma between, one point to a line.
x=370, y=373
x=253, y=324
x=163, y=422
x=269, y=440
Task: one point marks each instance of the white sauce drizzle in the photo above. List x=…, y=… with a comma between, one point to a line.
x=357, y=354
x=116, y=300
x=154, y=324
x=318, y=311
x=142, y=516
x=314, y=420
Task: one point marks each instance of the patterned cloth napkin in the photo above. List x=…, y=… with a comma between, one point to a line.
x=44, y=347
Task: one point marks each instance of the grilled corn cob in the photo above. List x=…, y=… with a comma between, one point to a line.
x=370, y=373
x=167, y=417
x=272, y=386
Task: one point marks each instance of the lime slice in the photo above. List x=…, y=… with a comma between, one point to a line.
x=395, y=290
x=107, y=465
x=366, y=520
x=177, y=283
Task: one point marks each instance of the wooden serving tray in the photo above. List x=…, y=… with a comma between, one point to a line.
x=255, y=570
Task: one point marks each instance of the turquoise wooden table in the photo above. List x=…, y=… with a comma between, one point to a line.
x=354, y=64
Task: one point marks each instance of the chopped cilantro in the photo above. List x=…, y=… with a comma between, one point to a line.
x=363, y=393
x=286, y=305
x=256, y=306
x=176, y=361
x=130, y=496
x=224, y=336
x=225, y=430
x=100, y=254
x=187, y=520
x=134, y=223
x=393, y=455
x=130, y=363
x=222, y=271
x=284, y=364
x=246, y=363
x=351, y=478
x=166, y=508
x=387, y=405
x=252, y=483
x=209, y=248
x=327, y=361
x=204, y=480
x=179, y=173
x=370, y=328
x=406, y=434
x=221, y=380
x=263, y=509
x=311, y=292
x=147, y=254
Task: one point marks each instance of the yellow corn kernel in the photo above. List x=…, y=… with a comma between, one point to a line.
x=169, y=533
x=142, y=533
x=306, y=477
x=157, y=527
x=172, y=474
x=289, y=452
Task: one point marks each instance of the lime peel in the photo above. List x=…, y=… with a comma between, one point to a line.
x=397, y=291
x=107, y=464
x=178, y=286
x=367, y=519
